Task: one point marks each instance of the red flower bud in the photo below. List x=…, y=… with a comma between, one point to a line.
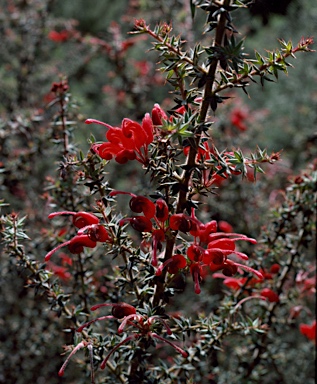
x=230, y=269
x=309, y=330
x=275, y=268
x=180, y=222
x=158, y=115
x=270, y=295
x=98, y=233
x=122, y=310
x=139, y=223
x=141, y=204
x=161, y=210
x=124, y=156
x=177, y=262
x=119, y=310
x=195, y=252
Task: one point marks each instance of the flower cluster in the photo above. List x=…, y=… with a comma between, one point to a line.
x=128, y=142
x=209, y=250
x=128, y=315
x=90, y=231
x=157, y=211
x=236, y=283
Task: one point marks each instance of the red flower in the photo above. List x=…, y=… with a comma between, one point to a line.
x=80, y=219
x=161, y=210
x=129, y=142
x=130, y=318
x=220, y=246
x=270, y=295
x=158, y=115
x=158, y=211
x=237, y=118
x=139, y=223
x=174, y=264
x=61, y=272
x=182, y=222
x=309, y=330
x=59, y=37
x=138, y=204
x=89, y=233
x=275, y=268
x=224, y=226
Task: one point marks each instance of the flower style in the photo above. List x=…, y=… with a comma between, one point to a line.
x=129, y=317
x=89, y=232
x=129, y=142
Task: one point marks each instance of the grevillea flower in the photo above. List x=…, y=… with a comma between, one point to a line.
x=182, y=222
x=128, y=142
x=89, y=232
x=138, y=204
x=270, y=295
x=309, y=330
x=59, y=37
x=158, y=212
x=173, y=264
x=161, y=210
x=158, y=115
x=80, y=219
x=209, y=250
x=145, y=326
x=237, y=118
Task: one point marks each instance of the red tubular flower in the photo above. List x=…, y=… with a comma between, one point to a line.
x=234, y=283
x=141, y=204
x=161, y=210
x=95, y=232
x=181, y=222
x=173, y=264
x=204, y=230
x=126, y=143
x=237, y=118
x=119, y=310
x=80, y=219
x=79, y=346
x=275, y=268
x=138, y=204
x=270, y=295
x=220, y=247
x=61, y=272
x=139, y=223
x=59, y=37
x=309, y=330
x=130, y=318
x=224, y=226
x=75, y=245
x=195, y=252
x=158, y=115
